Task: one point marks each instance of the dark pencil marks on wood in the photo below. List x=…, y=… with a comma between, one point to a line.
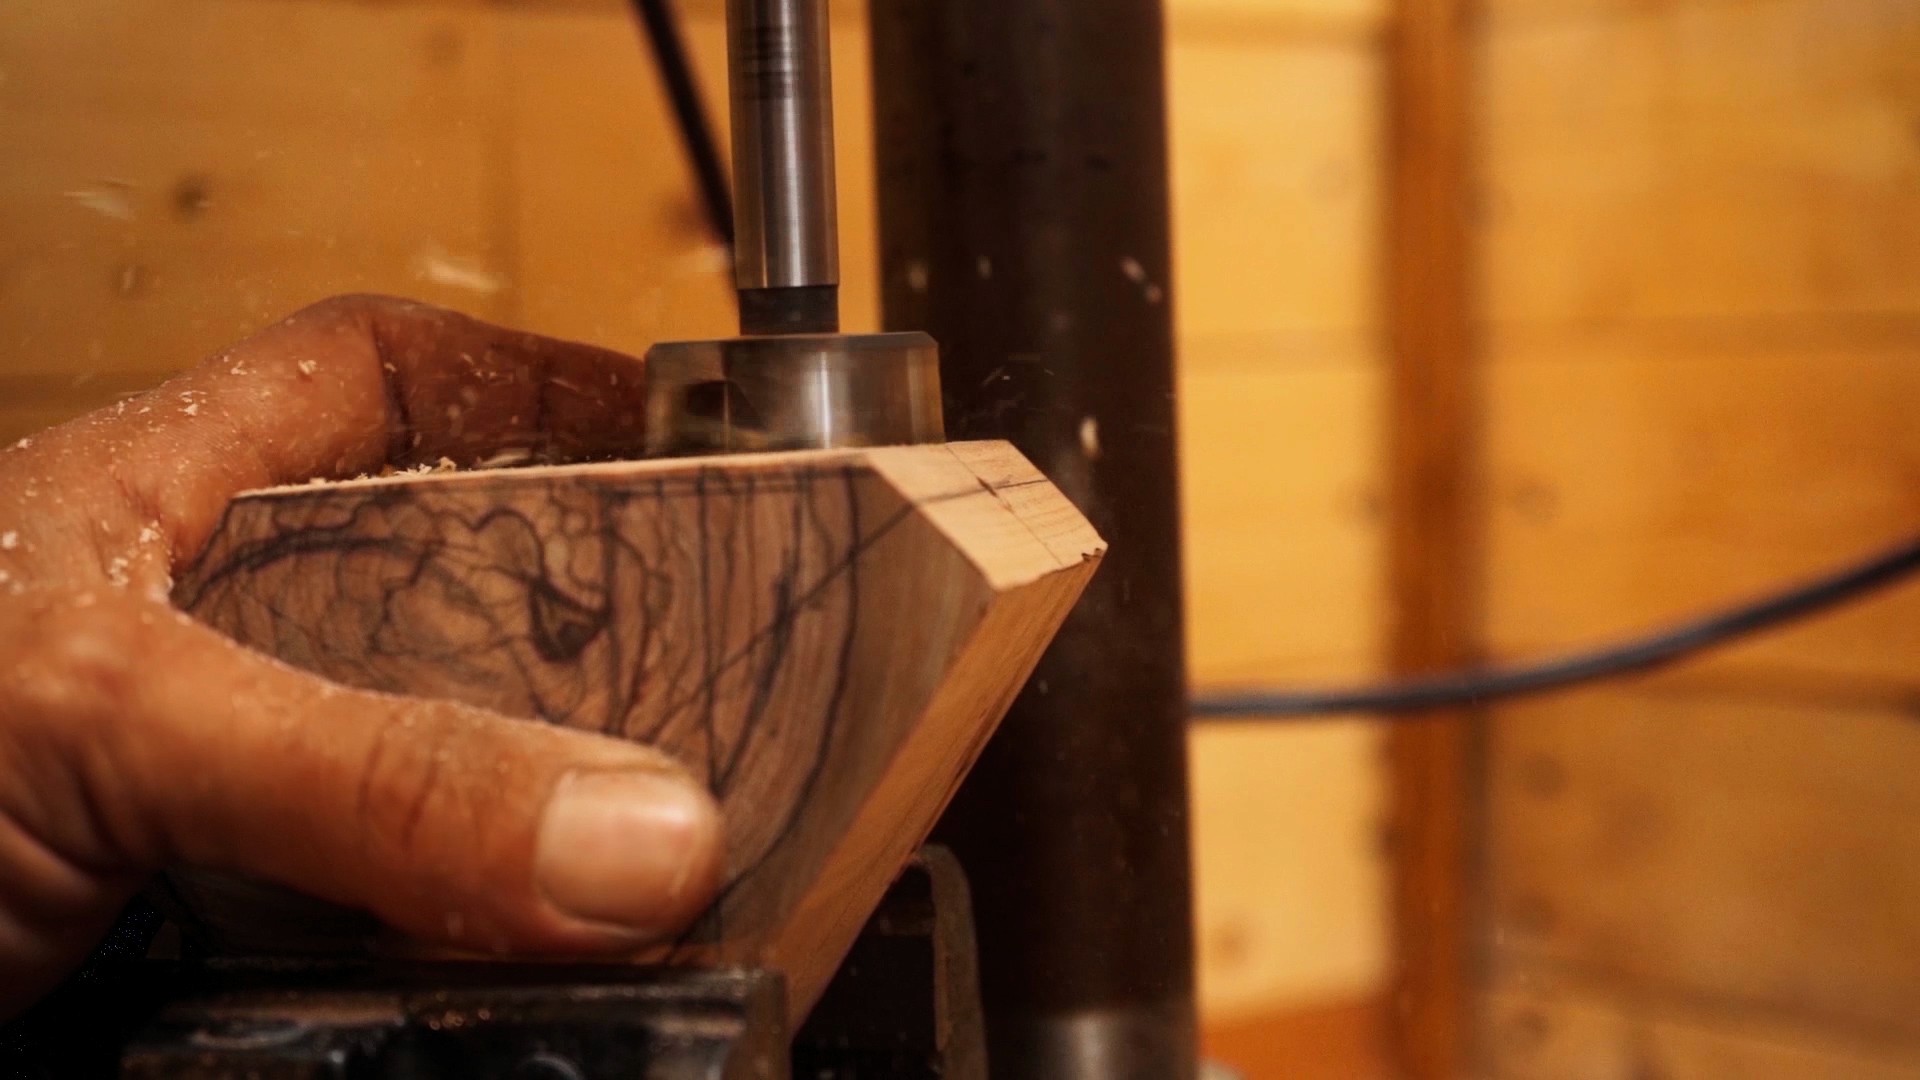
x=636, y=611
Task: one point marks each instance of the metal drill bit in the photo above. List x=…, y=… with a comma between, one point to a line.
x=787, y=257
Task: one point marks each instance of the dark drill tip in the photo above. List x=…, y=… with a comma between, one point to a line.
x=814, y=309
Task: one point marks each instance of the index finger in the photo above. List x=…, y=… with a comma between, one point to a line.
x=344, y=387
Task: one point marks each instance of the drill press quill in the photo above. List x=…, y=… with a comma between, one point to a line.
x=792, y=381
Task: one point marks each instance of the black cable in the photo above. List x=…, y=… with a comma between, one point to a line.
x=1479, y=687
x=689, y=114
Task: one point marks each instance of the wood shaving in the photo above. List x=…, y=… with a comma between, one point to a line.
x=506, y=459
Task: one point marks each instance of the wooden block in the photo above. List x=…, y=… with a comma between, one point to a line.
x=826, y=638
x=1752, y=855
x=1542, y=1028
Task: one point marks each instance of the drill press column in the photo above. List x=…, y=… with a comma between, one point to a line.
x=787, y=258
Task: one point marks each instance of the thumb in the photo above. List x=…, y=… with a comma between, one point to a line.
x=449, y=823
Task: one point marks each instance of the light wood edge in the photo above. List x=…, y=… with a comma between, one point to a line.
x=1034, y=554
x=1034, y=531
x=1028, y=531
x=645, y=467
x=825, y=924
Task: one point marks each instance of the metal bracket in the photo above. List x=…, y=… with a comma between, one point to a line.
x=469, y=1021
x=905, y=1006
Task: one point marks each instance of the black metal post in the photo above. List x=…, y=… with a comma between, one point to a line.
x=1024, y=224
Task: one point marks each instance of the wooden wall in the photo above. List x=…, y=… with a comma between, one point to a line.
x=1698, y=291
x=179, y=172
x=1277, y=189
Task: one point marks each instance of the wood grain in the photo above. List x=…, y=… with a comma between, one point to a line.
x=827, y=639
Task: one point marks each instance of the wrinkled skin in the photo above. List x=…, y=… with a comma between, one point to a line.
x=132, y=738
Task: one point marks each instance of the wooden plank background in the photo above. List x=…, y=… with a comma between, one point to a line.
x=1699, y=293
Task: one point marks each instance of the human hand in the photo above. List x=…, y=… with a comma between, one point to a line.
x=132, y=738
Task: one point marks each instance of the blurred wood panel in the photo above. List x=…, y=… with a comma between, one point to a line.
x=1746, y=852
x=219, y=163
x=1288, y=23
x=338, y=65
x=610, y=239
x=1280, y=471
x=1557, y=1033
x=1635, y=480
x=1340, y=1040
x=30, y=404
x=1702, y=160
x=141, y=244
x=1276, y=181
x=1280, y=11
x=1275, y=799
x=1699, y=289
x=23, y=421
x=1276, y=184
x=1277, y=12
